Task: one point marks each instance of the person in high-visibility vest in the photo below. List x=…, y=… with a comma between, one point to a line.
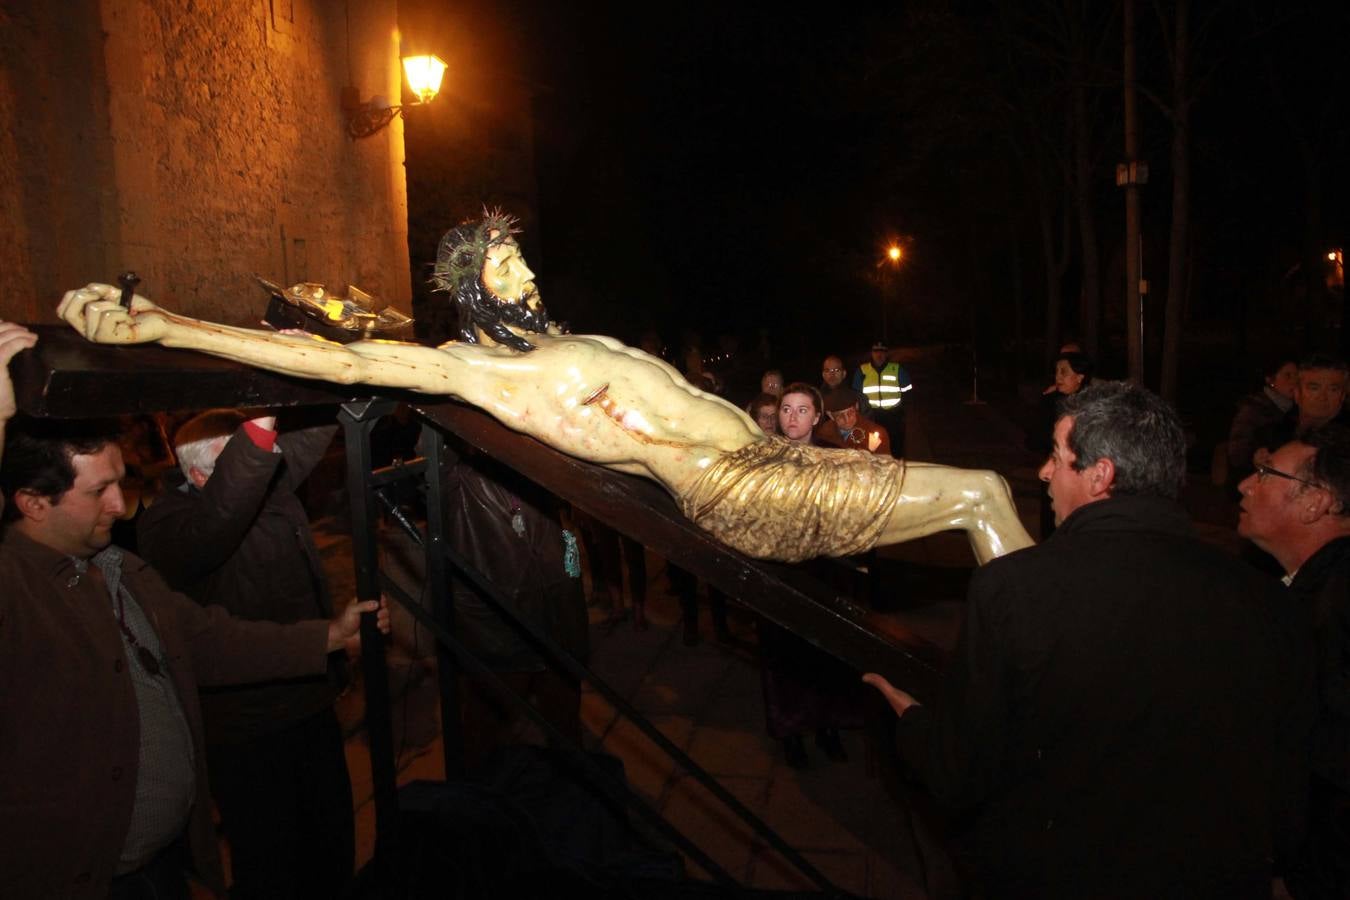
x=883, y=385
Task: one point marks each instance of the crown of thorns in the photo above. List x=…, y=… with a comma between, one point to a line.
x=462, y=250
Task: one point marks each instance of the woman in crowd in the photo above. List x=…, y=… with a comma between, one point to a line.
x=805, y=689
x=799, y=412
x=1073, y=372
x=764, y=410
x=1256, y=411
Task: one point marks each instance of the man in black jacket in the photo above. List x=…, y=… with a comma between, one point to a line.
x=230, y=530
x=1119, y=700
x=1296, y=507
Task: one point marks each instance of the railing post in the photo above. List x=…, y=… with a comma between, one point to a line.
x=357, y=419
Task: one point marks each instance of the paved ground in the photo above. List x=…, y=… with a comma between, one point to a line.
x=707, y=698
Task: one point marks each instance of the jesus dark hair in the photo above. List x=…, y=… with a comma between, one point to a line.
x=459, y=270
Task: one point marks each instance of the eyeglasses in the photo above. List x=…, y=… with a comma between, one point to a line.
x=831, y=370
x=1263, y=470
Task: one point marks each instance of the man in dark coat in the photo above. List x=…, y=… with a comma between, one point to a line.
x=229, y=530
x=1296, y=507
x=101, y=744
x=1119, y=697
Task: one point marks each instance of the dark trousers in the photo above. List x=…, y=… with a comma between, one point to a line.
x=805, y=688
x=893, y=420
x=606, y=562
x=160, y=879
x=490, y=722
x=685, y=586
x=1322, y=871
x=285, y=804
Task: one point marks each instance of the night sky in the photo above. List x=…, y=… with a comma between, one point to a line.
x=725, y=168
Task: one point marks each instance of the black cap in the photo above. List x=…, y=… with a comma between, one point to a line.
x=842, y=398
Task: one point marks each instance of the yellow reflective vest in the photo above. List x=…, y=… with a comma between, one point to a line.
x=883, y=389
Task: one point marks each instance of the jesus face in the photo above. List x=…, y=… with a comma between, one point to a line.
x=505, y=274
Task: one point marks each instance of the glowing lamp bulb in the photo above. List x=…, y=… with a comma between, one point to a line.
x=424, y=76
x=894, y=254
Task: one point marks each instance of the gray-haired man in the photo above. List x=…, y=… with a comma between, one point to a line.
x=230, y=531
x=1119, y=696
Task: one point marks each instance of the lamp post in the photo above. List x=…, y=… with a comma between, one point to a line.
x=893, y=255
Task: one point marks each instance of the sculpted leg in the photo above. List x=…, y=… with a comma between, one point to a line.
x=940, y=498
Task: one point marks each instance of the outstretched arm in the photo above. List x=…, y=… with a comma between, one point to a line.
x=13, y=338
x=94, y=312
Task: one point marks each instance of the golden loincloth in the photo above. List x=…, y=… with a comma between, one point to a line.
x=776, y=499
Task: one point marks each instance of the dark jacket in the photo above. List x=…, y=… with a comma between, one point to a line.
x=69, y=726
x=243, y=542
x=1256, y=418
x=481, y=498
x=827, y=435
x=1114, y=712
x=1322, y=585
x=1275, y=434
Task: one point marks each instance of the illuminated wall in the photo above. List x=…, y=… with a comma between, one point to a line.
x=197, y=143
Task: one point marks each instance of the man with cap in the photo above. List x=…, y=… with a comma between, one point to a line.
x=883, y=384
x=844, y=426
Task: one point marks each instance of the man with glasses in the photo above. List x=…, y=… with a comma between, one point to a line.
x=832, y=373
x=1296, y=507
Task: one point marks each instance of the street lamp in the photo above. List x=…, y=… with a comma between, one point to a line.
x=424, y=76
x=424, y=80
x=894, y=254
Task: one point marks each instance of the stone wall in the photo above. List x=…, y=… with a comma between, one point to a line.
x=197, y=143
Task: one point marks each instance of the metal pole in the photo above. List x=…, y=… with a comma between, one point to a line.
x=439, y=586
x=887, y=278
x=358, y=418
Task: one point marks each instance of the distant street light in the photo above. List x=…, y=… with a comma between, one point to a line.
x=890, y=285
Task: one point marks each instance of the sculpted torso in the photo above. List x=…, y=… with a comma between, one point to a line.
x=571, y=392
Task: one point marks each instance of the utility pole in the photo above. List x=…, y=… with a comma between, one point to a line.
x=1130, y=175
